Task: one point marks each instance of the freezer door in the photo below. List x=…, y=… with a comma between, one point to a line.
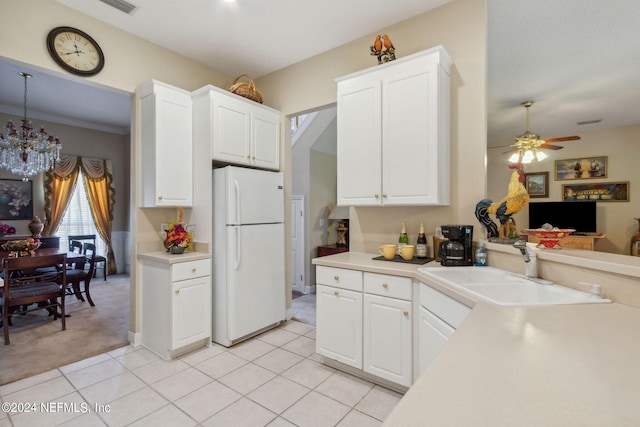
x=253, y=196
x=256, y=279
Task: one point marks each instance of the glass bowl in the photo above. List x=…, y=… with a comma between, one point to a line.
x=21, y=246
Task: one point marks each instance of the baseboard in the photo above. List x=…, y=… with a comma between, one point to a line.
x=134, y=338
x=289, y=314
x=309, y=289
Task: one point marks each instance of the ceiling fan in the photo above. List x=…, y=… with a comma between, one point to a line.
x=528, y=145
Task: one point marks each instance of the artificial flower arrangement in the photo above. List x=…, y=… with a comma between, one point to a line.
x=177, y=234
x=6, y=230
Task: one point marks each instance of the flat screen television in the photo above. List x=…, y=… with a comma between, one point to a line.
x=580, y=216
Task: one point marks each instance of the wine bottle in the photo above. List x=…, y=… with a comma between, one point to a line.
x=404, y=238
x=421, y=244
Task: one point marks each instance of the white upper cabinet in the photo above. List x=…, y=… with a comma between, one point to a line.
x=393, y=133
x=167, y=146
x=240, y=131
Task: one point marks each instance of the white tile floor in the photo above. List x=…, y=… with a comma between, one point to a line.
x=274, y=379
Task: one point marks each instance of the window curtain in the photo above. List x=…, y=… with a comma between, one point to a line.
x=98, y=182
x=59, y=185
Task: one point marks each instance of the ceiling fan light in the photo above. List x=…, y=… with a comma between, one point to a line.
x=528, y=157
x=515, y=157
x=540, y=155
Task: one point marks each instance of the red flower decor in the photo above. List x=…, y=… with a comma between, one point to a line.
x=178, y=236
x=6, y=230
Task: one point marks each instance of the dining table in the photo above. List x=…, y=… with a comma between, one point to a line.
x=72, y=257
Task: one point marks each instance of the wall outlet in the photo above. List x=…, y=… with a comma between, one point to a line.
x=322, y=222
x=163, y=227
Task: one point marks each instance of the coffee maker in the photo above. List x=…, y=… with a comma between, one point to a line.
x=458, y=250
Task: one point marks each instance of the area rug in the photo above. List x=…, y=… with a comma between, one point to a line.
x=38, y=344
x=304, y=308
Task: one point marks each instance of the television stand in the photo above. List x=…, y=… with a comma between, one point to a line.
x=574, y=241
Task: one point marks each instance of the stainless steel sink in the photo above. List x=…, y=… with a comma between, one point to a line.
x=505, y=288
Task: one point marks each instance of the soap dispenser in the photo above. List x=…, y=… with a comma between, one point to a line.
x=481, y=254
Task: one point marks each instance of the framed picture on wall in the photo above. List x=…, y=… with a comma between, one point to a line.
x=16, y=201
x=537, y=184
x=601, y=192
x=581, y=168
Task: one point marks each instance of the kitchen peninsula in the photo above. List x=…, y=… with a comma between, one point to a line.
x=543, y=365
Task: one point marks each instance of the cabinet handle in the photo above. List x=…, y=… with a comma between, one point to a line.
x=248, y=156
x=253, y=158
x=177, y=291
x=384, y=196
x=159, y=197
x=377, y=196
x=336, y=278
x=384, y=285
x=405, y=313
x=336, y=293
x=193, y=270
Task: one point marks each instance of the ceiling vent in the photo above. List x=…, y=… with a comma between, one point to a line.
x=121, y=5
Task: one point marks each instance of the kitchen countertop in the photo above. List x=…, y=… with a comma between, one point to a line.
x=524, y=366
x=167, y=258
x=363, y=261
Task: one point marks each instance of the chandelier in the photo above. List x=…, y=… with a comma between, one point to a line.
x=25, y=152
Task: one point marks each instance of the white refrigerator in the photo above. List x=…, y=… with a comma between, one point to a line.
x=248, y=253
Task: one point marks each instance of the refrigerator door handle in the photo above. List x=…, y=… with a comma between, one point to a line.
x=237, y=188
x=238, y=249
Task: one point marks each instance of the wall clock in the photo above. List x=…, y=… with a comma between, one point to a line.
x=75, y=51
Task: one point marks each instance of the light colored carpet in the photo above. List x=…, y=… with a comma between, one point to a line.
x=304, y=308
x=39, y=344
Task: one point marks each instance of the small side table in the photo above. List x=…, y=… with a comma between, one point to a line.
x=330, y=250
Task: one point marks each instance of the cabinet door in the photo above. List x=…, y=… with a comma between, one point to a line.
x=166, y=144
x=410, y=134
x=265, y=143
x=339, y=320
x=358, y=149
x=387, y=338
x=434, y=334
x=191, y=311
x=231, y=130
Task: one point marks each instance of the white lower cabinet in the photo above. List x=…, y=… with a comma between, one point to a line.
x=175, y=306
x=364, y=321
x=387, y=338
x=434, y=334
x=339, y=311
x=440, y=316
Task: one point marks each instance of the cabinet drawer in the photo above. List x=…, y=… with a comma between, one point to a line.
x=339, y=277
x=388, y=286
x=443, y=306
x=190, y=269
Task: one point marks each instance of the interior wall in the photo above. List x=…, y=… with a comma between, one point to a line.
x=460, y=27
x=615, y=219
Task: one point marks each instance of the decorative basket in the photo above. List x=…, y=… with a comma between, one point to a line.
x=246, y=89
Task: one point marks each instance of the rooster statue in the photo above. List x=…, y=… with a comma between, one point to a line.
x=517, y=198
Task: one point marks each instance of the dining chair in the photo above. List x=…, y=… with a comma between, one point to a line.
x=79, y=274
x=24, y=285
x=91, y=238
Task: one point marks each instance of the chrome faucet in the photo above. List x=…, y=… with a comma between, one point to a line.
x=530, y=259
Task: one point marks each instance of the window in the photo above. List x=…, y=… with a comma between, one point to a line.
x=78, y=220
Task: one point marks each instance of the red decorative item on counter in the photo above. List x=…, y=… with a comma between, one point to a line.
x=550, y=238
